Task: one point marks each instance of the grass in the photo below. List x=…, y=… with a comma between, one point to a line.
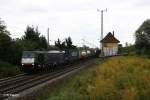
x=117, y=78
x=73, y=87
x=7, y=70
x=123, y=78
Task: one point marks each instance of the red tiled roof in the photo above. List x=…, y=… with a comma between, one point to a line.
x=109, y=38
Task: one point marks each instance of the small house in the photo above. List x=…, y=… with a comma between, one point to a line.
x=110, y=45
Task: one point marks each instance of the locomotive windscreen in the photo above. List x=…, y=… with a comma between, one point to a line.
x=28, y=54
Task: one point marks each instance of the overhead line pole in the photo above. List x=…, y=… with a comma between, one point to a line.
x=48, y=36
x=102, y=11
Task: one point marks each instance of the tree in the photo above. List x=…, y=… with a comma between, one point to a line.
x=3, y=27
x=120, y=48
x=63, y=45
x=31, y=34
x=16, y=51
x=67, y=44
x=43, y=43
x=32, y=40
x=5, y=43
x=58, y=43
x=142, y=35
x=11, y=49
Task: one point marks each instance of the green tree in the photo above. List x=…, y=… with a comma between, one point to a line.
x=32, y=40
x=43, y=43
x=31, y=34
x=63, y=45
x=67, y=44
x=3, y=27
x=58, y=43
x=16, y=51
x=11, y=49
x=142, y=42
x=5, y=43
x=120, y=49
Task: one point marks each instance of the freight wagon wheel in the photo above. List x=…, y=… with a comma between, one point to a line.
x=49, y=68
x=43, y=67
x=55, y=66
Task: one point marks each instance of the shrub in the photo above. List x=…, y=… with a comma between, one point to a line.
x=7, y=69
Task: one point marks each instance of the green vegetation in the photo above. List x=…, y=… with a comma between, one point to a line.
x=11, y=49
x=142, y=42
x=7, y=70
x=129, y=49
x=32, y=40
x=125, y=78
x=67, y=44
x=73, y=87
x=117, y=78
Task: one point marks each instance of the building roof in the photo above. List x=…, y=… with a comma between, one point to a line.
x=109, y=38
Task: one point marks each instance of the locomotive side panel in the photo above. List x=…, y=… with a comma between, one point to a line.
x=54, y=58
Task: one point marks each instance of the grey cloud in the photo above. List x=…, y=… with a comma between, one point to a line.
x=142, y=3
x=77, y=18
x=34, y=10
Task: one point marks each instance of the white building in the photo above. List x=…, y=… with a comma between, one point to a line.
x=110, y=45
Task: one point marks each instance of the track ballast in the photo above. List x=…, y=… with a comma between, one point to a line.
x=12, y=87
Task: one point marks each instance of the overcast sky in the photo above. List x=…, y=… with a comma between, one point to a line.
x=76, y=18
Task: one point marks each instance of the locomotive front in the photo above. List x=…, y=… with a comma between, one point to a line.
x=28, y=60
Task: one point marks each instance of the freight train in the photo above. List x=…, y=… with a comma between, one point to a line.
x=39, y=60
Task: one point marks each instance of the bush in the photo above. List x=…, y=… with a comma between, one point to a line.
x=7, y=69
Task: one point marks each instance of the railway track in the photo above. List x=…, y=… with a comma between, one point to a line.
x=20, y=83
x=11, y=78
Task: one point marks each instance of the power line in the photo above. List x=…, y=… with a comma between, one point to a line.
x=89, y=43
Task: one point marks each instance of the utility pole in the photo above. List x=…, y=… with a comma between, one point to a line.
x=48, y=36
x=102, y=11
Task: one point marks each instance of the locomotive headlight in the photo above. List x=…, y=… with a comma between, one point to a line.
x=32, y=64
x=22, y=64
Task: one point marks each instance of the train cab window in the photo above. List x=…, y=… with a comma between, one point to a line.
x=28, y=55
